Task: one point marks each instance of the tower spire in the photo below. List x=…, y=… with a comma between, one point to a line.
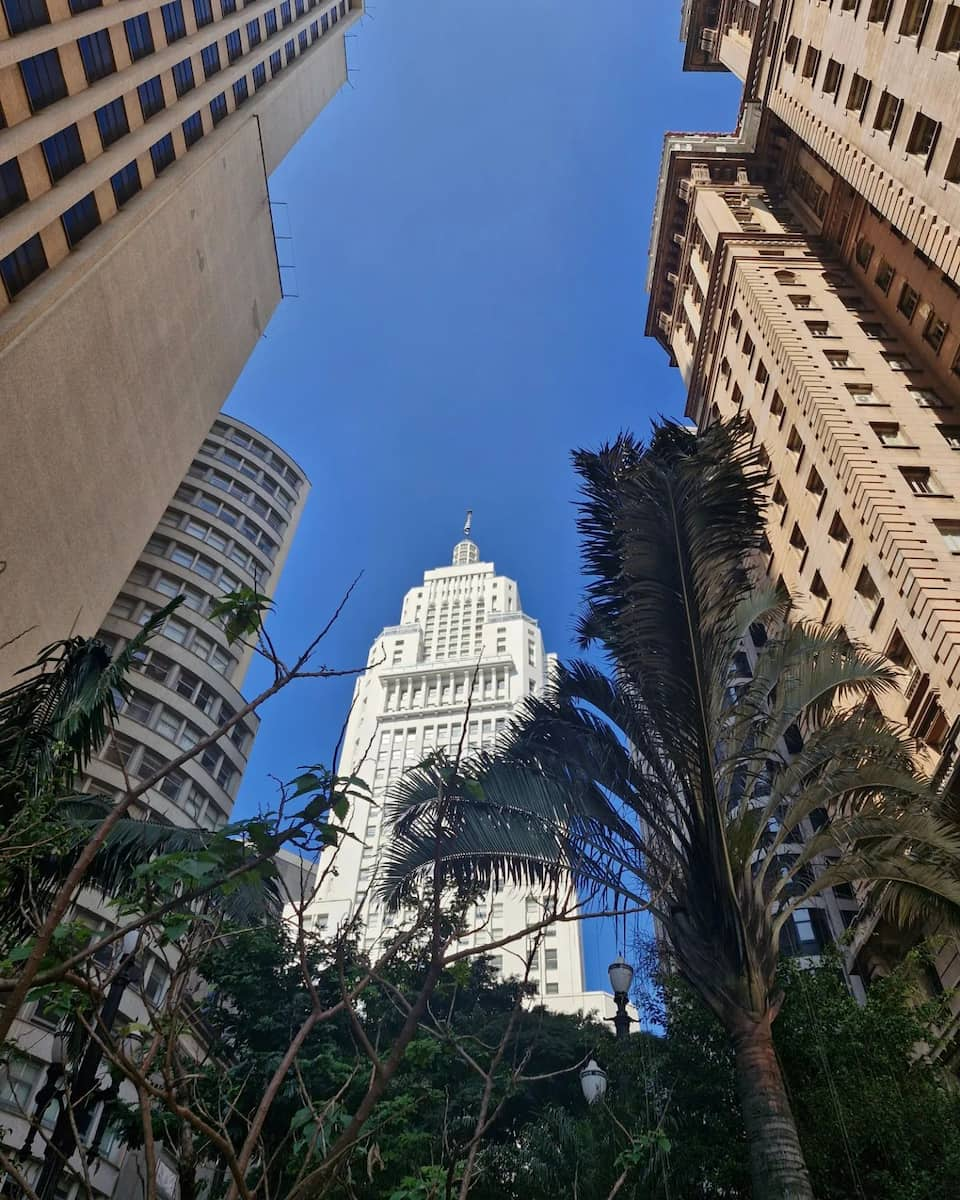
x=467, y=551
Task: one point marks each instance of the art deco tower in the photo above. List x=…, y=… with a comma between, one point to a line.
x=462, y=627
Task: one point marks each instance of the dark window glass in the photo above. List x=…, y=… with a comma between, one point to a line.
x=253, y=32
x=218, y=108
x=259, y=79
x=193, y=129
x=139, y=37
x=210, y=57
x=203, y=10
x=240, y=92
x=271, y=20
x=285, y=15
x=23, y=265
x=183, y=76
x=25, y=14
x=314, y=31
x=79, y=220
x=112, y=121
x=333, y=16
x=12, y=191
x=125, y=183
x=227, y=6
x=299, y=7
x=162, y=153
x=275, y=63
x=151, y=96
x=343, y=8
x=173, y=23
x=324, y=22
x=79, y=6
x=302, y=39
x=63, y=152
x=234, y=46
x=97, y=55
x=289, y=49
x=43, y=79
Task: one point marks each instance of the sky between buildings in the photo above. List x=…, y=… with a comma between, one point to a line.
x=470, y=223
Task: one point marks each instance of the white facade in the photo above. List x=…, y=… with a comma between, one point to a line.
x=462, y=621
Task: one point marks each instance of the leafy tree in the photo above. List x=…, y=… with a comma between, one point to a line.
x=686, y=777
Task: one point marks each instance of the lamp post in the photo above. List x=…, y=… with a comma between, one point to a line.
x=78, y=1091
x=621, y=976
x=593, y=1082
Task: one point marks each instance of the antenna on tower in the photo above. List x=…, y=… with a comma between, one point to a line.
x=469, y=522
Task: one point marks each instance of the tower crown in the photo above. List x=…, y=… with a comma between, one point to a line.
x=466, y=552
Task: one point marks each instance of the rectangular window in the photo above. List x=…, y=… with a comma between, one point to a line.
x=923, y=135
x=139, y=37
x=887, y=112
x=921, y=481
x=234, y=45
x=857, y=95
x=927, y=398
x=831, y=77
x=63, y=152
x=125, y=183
x=840, y=359
x=79, y=6
x=890, y=435
x=183, y=76
x=96, y=54
x=285, y=15
x=289, y=49
x=914, y=17
x=550, y=959
x=151, y=97
x=13, y=193
x=210, y=59
x=878, y=10
x=259, y=76
x=324, y=22
x=819, y=329
x=253, y=33
x=203, y=11
x=174, y=25
x=884, y=276
x=271, y=21
x=951, y=534
x=811, y=61
x=25, y=14
x=240, y=92
x=951, y=435
x=227, y=7
x=314, y=30
x=43, y=79
x=162, y=154
x=949, y=39
x=275, y=63
x=193, y=129
x=897, y=362
x=218, y=108
x=302, y=40
x=863, y=393
x=952, y=172
x=934, y=332
x=80, y=219
x=908, y=301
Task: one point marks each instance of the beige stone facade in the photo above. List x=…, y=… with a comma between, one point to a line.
x=804, y=274
x=138, y=266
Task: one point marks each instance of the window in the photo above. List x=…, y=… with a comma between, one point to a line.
x=820, y=329
x=271, y=21
x=80, y=219
x=867, y=591
x=112, y=122
x=23, y=265
x=183, y=76
x=840, y=359
x=43, y=79
x=864, y=252
x=210, y=58
x=96, y=53
x=878, y=10
x=253, y=33
x=838, y=532
x=863, y=393
x=811, y=61
x=909, y=299
x=234, y=45
x=162, y=154
x=193, y=129
x=884, y=276
x=923, y=135
x=874, y=331
x=899, y=652
x=139, y=37
x=285, y=14
x=314, y=30
x=203, y=11
x=951, y=435
x=174, y=25
x=927, y=397
x=857, y=95
x=302, y=40
x=934, y=332
x=25, y=14
x=887, y=112
x=324, y=22
x=276, y=66
x=139, y=708
x=289, y=51
x=240, y=92
x=800, y=301
x=952, y=173
x=63, y=152
x=151, y=97
x=550, y=959
x=914, y=17
x=18, y=1077
x=921, y=481
x=13, y=193
x=831, y=77
x=896, y=361
x=949, y=39
x=890, y=435
x=125, y=183
x=259, y=76
x=218, y=108
x=950, y=531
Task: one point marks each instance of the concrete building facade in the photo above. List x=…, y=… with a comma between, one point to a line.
x=463, y=639
x=803, y=274
x=138, y=265
x=231, y=522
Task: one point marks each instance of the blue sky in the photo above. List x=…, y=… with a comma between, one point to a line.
x=470, y=226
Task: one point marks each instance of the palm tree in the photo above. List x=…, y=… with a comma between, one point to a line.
x=729, y=766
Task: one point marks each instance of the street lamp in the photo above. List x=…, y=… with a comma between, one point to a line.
x=621, y=976
x=593, y=1081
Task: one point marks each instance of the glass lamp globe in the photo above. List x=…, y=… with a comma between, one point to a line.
x=621, y=975
x=593, y=1081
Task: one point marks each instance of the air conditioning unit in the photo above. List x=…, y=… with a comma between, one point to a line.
x=709, y=40
x=673, y=277
x=684, y=189
x=665, y=321
x=679, y=239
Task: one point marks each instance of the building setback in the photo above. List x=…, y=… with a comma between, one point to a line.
x=138, y=265
x=463, y=638
x=230, y=523
x=804, y=273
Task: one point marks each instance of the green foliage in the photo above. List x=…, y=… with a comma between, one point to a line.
x=242, y=612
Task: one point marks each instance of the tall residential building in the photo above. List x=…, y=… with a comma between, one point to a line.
x=138, y=265
x=229, y=523
x=804, y=273
x=463, y=638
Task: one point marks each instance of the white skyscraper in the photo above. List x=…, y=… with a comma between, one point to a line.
x=412, y=700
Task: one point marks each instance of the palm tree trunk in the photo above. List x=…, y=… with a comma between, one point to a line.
x=776, y=1159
